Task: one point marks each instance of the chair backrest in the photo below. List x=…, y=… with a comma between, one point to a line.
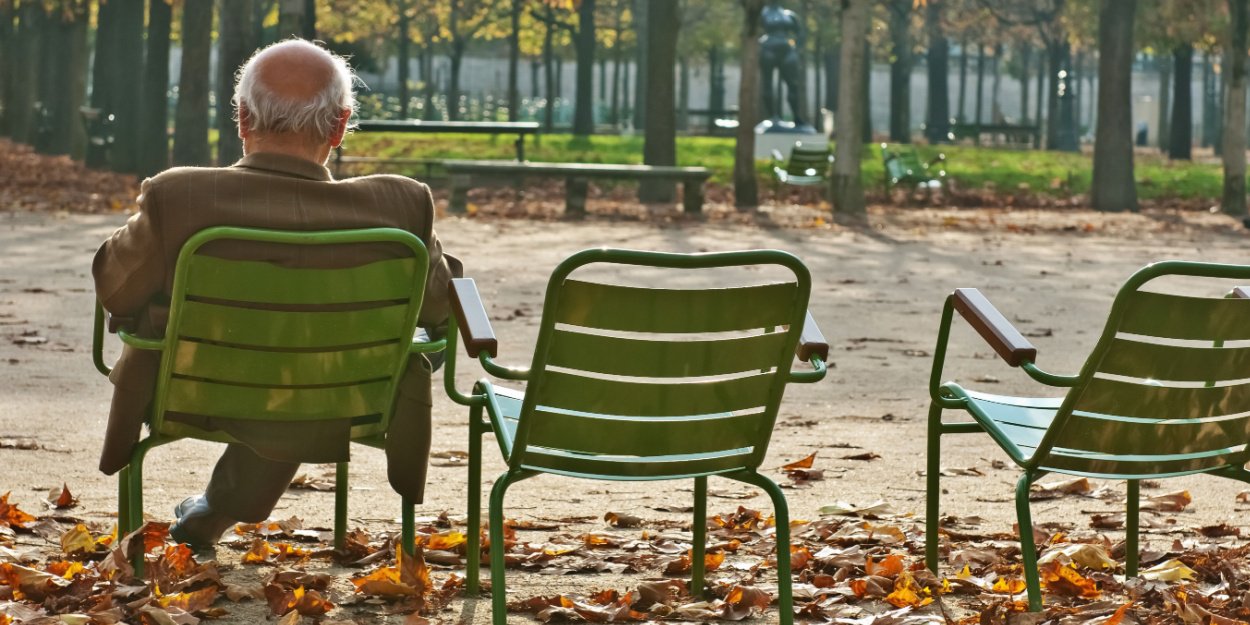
x=808, y=160
x=1161, y=394
x=264, y=341
x=633, y=382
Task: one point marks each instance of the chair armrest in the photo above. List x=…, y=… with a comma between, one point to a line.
x=811, y=341
x=777, y=157
x=471, y=317
x=993, y=327
x=117, y=322
x=97, y=340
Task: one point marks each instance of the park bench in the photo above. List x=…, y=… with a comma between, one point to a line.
x=904, y=167
x=520, y=129
x=464, y=174
x=807, y=166
x=999, y=134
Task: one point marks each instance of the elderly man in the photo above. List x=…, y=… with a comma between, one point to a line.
x=293, y=101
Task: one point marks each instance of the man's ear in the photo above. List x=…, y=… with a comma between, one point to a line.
x=340, y=128
x=244, y=121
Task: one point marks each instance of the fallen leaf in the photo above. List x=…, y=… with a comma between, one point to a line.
x=1169, y=502
x=1169, y=571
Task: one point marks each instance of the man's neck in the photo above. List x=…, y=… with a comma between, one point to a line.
x=318, y=154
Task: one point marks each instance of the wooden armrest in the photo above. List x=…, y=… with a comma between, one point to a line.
x=474, y=325
x=1241, y=292
x=117, y=322
x=994, y=327
x=811, y=341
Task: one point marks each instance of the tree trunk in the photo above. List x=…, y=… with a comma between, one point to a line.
x=818, y=57
x=640, y=75
x=1074, y=82
x=127, y=116
x=1165, y=94
x=996, y=105
x=403, y=53
x=428, y=111
x=1026, y=57
x=833, y=65
x=963, y=80
x=290, y=19
x=234, y=45
x=536, y=67
x=154, y=129
x=900, y=70
x=847, y=183
x=101, y=73
x=69, y=29
x=584, y=99
x=8, y=57
x=980, y=84
x=549, y=79
x=453, y=80
x=683, y=96
x=514, y=61
x=660, y=134
x=1113, y=188
x=1180, y=142
x=1040, y=98
x=616, y=84
x=1209, y=112
x=309, y=23
x=47, y=86
x=26, y=74
x=1233, y=141
x=937, y=118
x=603, y=80
x=191, y=116
x=746, y=184
x=866, y=92
x=1066, y=138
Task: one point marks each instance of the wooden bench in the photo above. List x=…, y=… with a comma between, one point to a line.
x=576, y=176
x=520, y=129
x=999, y=134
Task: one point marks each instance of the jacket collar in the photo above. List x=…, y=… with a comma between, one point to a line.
x=287, y=165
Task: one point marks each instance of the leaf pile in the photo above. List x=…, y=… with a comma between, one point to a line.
x=38, y=182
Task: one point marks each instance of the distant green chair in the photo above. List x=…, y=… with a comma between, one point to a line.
x=904, y=167
x=808, y=165
x=1158, y=397
x=633, y=383
x=335, y=348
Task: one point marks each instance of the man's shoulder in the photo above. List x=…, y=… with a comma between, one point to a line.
x=386, y=180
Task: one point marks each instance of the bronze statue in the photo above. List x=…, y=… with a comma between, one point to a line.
x=779, y=53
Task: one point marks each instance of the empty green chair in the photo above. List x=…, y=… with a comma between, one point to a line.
x=256, y=341
x=808, y=165
x=904, y=167
x=640, y=383
x=1158, y=397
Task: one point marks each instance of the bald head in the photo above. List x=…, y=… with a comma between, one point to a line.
x=294, y=88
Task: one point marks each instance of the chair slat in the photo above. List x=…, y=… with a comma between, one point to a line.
x=638, y=309
x=219, y=363
x=1183, y=317
x=645, y=399
x=638, y=357
x=1154, y=438
x=266, y=283
x=1137, y=359
x=275, y=403
x=644, y=436
x=1121, y=467
x=283, y=329
x=630, y=468
x=1148, y=401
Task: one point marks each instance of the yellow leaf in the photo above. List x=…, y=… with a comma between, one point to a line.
x=1170, y=571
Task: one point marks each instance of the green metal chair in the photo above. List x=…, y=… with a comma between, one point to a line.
x=255, y=341
x=633, y=383
x=808, y=165
x=1158, y=397
x=904, y=167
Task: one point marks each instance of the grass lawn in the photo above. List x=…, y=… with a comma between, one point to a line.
x=974, y=169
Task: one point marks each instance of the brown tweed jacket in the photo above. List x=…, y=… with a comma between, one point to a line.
x=134, y=270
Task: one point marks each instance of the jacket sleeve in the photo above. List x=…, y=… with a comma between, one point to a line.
x=129, y=268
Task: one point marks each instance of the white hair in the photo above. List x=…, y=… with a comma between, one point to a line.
x=270, y=112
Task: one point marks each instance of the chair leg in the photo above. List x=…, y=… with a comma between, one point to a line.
x=699, y=529
x=135, y=511
x=123, y=502
x=933, y=491
x=473, y=550
x=340, y=505
x=785, y=596
x=1131, y=527
x=498, y=587
x=408, y=530
x=1028, y=549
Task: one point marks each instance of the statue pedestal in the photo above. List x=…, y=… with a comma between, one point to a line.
x=783, y=140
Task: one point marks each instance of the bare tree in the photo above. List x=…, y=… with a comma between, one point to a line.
x=1234, y=139
x=1114, y=188
x=746, y=186
x=847, y=185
